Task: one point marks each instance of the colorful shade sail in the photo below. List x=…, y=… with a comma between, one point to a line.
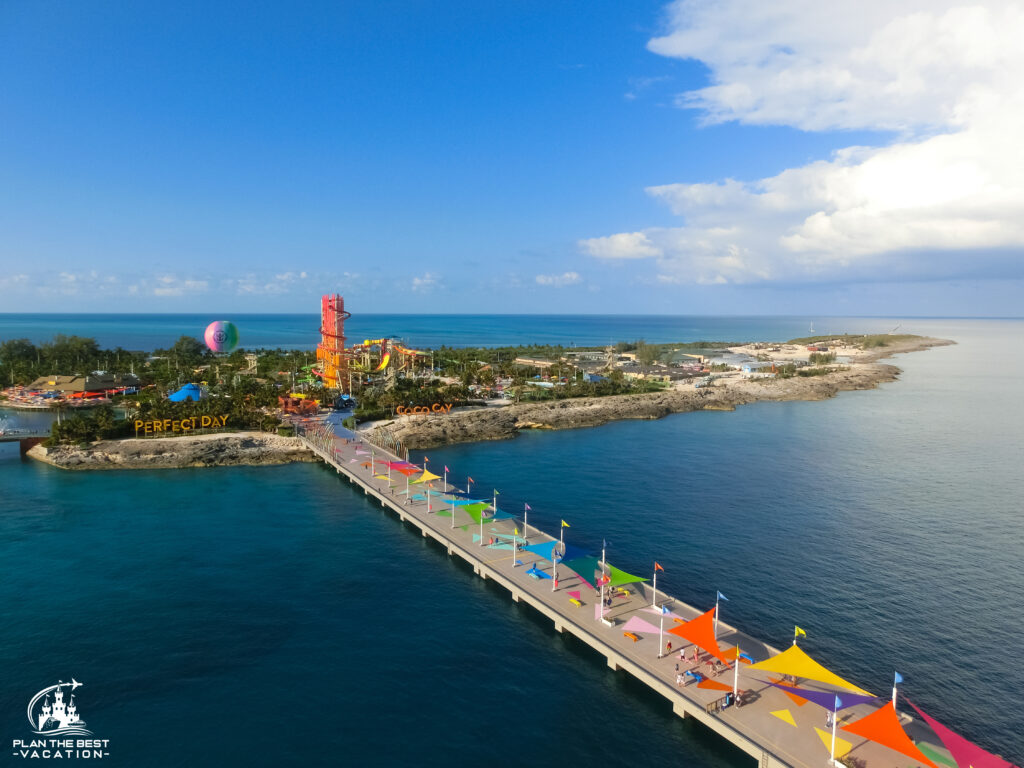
x=701, y=632
x=426, y=477
x=966, y=753
x=475, y=511
x=883, y=727
x=826, y=699
x=569, y=552
x=544, y=549
x=585, y=567
x=793, y=661
x=618, y=577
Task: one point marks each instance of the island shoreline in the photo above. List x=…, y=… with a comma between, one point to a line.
x=506, y=422
x=480, y=424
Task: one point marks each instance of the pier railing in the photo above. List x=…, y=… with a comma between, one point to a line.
x=384, y=438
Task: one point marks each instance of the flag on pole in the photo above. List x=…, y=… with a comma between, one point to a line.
x=839, y=704
x=528, y=507
x=446, y=468
x=898, y=679
x=497, y=494
x=797, y=632
x=471, y=479
x=657, y=566
x=665, y=611
x=516, y=530
x=565, y=524
x=723, y=597
x=426, y=460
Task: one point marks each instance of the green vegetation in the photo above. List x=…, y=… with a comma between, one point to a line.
x=822, y=358
x=248, y=395
x=864, y=341
x=789, y=370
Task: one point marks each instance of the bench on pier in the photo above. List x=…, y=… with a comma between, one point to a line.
x=631, y=635
x=578, y=603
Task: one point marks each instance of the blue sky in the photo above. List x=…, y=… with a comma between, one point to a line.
x=688, y=157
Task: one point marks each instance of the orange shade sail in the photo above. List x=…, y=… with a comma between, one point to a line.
x=883, y=727
x=701, y=632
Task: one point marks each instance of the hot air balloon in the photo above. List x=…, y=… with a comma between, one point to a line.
x=221, y=336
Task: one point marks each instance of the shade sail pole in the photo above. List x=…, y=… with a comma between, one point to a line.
x=661, y=635
x=716, y=618
x=453, y=513
x=736, y=676
x=654, y=599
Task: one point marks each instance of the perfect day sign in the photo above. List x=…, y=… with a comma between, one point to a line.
x=179, y=425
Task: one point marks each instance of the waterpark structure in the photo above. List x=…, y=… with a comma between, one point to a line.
x=336, y=363
x=747, y=691
x=330, y=353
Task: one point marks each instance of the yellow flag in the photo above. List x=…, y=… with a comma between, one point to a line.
x=565, y=524
x=517, y=531
x=797, y=632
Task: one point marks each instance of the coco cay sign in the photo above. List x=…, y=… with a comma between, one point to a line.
x=423, y=410
x=179, y=425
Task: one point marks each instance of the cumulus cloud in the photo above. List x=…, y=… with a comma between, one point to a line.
x=945, y=197
x=567, y=278
x=626, y=245
x=171, y=285
x=425, y=283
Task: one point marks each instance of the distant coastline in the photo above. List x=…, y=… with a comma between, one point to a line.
x=499, y=423
x=496, y=422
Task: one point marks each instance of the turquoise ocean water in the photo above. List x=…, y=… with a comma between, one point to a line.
x=271, y=616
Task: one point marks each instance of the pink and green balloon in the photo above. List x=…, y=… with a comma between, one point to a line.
x=221, y=336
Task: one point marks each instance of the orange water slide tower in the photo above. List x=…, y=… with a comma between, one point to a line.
x=331, y=351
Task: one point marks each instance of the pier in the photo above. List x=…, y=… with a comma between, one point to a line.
x=772, y=727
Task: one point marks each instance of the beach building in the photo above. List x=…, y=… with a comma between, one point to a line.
x=534, y=362
x=97, y=381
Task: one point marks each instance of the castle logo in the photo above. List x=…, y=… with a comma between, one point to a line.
x=56, y=721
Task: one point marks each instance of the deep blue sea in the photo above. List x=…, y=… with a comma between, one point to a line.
x=148, y=332
x=271, y=616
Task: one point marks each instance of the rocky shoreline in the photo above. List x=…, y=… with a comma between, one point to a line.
x=503, y=422
x=218, y=450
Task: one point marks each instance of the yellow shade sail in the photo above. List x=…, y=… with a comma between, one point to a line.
x=426, y=477
x=793, y=661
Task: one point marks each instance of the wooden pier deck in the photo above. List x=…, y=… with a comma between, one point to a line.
x=766, y=737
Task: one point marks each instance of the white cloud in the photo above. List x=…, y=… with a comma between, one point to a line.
x=171, y=285
x=14, y=281
x=626, y=245
x=878, y=64
x=945, y=200
x=567, y=278
x=425, y=283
